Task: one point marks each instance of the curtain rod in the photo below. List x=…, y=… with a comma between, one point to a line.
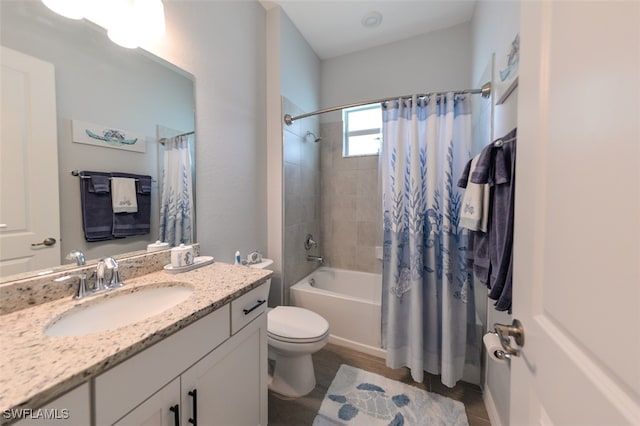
x=485, y=91
x=161, y=140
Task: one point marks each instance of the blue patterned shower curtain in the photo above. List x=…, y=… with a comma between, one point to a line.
x=176, y=204
x=427, y=300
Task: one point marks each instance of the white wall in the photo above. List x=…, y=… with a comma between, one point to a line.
x=293, y=73
x=275, y=169
x=300, y=67
x=494, y=25
x=435, y=61
x=223, y=45
x=300, y=86
x=99, y=82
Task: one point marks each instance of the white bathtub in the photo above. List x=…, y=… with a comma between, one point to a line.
x=349, y=301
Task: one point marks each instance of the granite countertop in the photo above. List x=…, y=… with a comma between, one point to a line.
x=36, y=368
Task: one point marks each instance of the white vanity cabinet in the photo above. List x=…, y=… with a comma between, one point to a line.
x=71, y=409
x=231, y=382
x=227, y=371
x=157, y=410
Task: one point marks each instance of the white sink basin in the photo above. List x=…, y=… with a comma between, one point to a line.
x=117, y=311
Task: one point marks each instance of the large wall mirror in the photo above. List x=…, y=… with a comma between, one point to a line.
x=98, y=82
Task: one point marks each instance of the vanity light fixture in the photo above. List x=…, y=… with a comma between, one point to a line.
x=72, y=9
x=135, y=21
x=129, y=23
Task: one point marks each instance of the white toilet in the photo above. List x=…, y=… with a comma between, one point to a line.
x=293, y=334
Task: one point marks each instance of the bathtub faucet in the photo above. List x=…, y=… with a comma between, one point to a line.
x=309, y=242
x=311, y=258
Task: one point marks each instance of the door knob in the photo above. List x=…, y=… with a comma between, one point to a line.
x=46, y=242
x=514, y=330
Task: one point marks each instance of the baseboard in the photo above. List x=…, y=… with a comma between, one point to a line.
x=370, y=350
x=492, y=411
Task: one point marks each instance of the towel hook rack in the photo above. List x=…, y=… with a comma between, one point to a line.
x=81, y=176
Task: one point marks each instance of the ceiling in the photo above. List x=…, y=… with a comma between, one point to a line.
x=334, y=28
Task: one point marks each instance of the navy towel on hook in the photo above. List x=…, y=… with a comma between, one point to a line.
x=493, y=251
x=97, y=212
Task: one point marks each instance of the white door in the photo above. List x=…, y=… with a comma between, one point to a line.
x=29, y=212
x=577, y=231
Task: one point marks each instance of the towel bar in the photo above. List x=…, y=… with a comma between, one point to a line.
x=77, y=173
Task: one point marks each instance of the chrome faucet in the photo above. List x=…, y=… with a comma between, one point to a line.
x=311, y=258
x=101, y=284
x=81, y=290
x=78, y=256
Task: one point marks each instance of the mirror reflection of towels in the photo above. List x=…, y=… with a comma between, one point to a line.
x=99, y=184
x=139, y=223
x=123, y=195
x=97, y=213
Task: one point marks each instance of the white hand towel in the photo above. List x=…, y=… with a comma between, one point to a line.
x=475, y=204
x=123, y=195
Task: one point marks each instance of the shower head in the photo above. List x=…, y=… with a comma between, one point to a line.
x=315, y=138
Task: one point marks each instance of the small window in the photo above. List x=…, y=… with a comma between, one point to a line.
x=362, y=130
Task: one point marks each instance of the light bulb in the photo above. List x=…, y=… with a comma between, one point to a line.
x=123, y=26
x=151, y=18
x=135, y=21
x=72, y=9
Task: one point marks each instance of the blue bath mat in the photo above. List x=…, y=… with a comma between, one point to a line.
x=358, y=397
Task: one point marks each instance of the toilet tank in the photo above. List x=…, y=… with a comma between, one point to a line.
x=265, y=264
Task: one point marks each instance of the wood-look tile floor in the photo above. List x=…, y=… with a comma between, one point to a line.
x=301, y=411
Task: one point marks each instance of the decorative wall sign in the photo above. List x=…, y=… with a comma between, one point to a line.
x=506, y=78
x=107, y=137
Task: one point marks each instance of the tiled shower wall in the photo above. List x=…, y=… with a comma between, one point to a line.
x=301, y=196
x=350, y=205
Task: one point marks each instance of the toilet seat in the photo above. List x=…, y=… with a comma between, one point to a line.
x=296, y=325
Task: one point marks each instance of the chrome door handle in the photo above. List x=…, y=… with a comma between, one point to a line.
x=514, y=330
x=46, y=242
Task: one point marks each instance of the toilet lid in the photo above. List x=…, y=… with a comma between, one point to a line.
x=290, y=322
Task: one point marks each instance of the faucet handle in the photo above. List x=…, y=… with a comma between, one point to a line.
x=81, y=290
x=114, y=280
x=99, y=284
x=309, y=242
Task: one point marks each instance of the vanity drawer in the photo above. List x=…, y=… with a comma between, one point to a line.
x=248, y=306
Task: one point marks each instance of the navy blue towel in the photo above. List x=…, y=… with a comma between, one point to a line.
x=144, y=185
x=97, y=212
x=99, y=183
x=139, y=223
x=493, y=251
